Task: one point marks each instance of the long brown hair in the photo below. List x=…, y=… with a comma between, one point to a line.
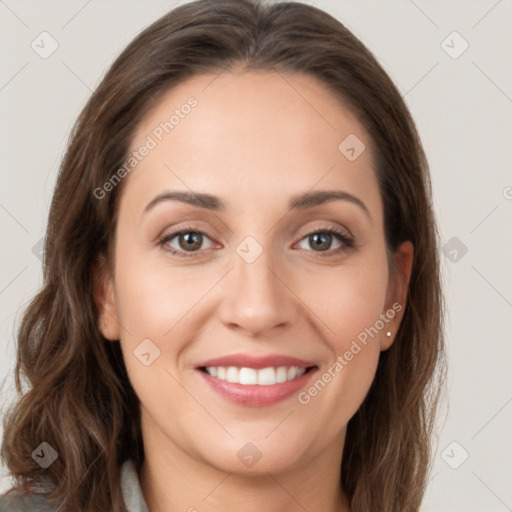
x=79, y=399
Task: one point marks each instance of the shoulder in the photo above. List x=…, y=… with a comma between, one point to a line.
x=18, y=501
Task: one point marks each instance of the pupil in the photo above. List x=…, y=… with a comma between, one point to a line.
x=191, y=239
x=318, y=243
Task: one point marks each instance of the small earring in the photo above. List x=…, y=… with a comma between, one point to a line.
x=388, y=333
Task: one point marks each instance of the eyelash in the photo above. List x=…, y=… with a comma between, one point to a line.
x=348, y=243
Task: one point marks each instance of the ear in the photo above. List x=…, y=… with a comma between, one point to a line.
x=104, y=297
x=396, y=296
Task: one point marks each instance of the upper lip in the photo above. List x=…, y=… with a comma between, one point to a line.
x=256, y=362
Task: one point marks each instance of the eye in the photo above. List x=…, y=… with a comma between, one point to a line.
x=189, y=240
x=321, y=241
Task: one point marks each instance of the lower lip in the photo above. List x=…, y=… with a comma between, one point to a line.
x=254, y=395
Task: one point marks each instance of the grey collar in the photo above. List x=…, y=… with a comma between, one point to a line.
x=130, y=487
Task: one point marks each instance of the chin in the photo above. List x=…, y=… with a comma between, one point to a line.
x=253, y=457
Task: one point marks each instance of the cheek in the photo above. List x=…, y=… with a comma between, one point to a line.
x=152, y=297
x=350, y=308
x=348, y=299
x=156, y=306
x=349, y=304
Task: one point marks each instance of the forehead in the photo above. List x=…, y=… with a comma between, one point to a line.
x=251, y=133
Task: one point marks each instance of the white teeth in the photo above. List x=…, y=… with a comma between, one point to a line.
x=232, y=374
x=281, y=374
x=292, y=373
x=250, y=376
x=266, y=377
x=247, y=376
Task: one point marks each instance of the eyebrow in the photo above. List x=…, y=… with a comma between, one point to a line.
x=301, y=202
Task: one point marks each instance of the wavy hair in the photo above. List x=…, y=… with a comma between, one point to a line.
x=78, y=396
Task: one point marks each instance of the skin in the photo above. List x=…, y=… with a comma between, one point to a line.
x=255, y=140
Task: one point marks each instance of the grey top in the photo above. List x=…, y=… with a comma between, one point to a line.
x=130, y=487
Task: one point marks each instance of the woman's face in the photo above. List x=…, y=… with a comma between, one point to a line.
x=255, y=277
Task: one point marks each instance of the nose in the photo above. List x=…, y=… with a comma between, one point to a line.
x=257, y=300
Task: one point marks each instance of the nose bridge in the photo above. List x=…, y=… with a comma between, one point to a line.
x=257, y=298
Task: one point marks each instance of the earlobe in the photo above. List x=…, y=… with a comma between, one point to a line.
x=397, y=292
x=104, y=298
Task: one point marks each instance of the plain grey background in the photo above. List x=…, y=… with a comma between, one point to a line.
x=461, y=99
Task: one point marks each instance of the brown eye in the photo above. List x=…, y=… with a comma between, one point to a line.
x=321, y=241
x=183, y=242
x=190, y=241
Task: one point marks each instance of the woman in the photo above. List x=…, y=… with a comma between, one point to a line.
x=241, y=305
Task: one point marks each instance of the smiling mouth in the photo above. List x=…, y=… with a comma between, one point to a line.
x=250, y=376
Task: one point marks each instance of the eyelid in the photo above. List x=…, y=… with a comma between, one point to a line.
x=315, y=229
